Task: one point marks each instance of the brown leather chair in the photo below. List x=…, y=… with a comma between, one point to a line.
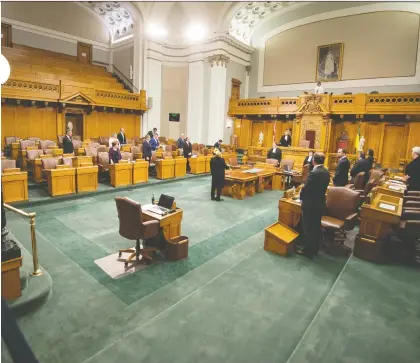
x=126, y=156
x=77, y=137
x=102, y=149
x=299, y=179
x=95, y=140
x=104, y=140
x=132, y=227
x=272, y=161
x=233, y=162
x=34, y=138
x=46, y=144
x=8, y=164
x=205, y=152
x=137, y=151
x=287, y=162
x=359, y=182
x=10, y=140
x=94, y=144
x=24, y=144
x=168, y=148
x=60, y=140
x=376, y=174
x=77, y=144
x=341, y=211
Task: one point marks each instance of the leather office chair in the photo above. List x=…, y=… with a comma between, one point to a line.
x=133, y=228
x=45, y=144
x=77, y=144
x=102, y=149
x=287, y=162
x=233, y=162
x=104, y=140
x=152, y=164
x=8, y=141
x=341, y=211
x=103, y=165
x=300, y=179
x=8, y=164
x=205, y=152
x=376, y=174
x=60, y=140
x=274, y=162
x=94, y=144
x=137, y=151
x=24, y=144
x=126, y=156
x=34, y=138
x=359, y=182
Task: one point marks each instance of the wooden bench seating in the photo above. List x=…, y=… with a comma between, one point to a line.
x=14, y=182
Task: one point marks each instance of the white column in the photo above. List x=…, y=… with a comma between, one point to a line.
x=111, y=60
x=195, y=112
x=139, y=43
x=248, y=71
x=217, y=100
x=154, y=90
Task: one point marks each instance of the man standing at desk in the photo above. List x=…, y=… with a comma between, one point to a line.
x=274, y=153
x=218, y=145
x=361, y=165
x=121, y=137
x=341, y=177
x=147, y=149
x=68, y=143
x=412, y=171
x=313, y=206
x=188, y=152
x=217, y=168
x=154, y=143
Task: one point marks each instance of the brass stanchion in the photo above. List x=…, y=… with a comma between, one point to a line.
x=37, y=271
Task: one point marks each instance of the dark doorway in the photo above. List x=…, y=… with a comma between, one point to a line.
x=310, y=136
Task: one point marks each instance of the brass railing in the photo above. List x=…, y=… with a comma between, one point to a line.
x=37, y=271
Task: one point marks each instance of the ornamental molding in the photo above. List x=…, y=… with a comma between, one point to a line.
x=31, y=86
x=218, y=60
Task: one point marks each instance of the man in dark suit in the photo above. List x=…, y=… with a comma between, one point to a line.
x=312, y=196
x=308, y=160
x=286, y=139
x=218, y=145
x=151, y=133
x=187, y=152
x=274, y=153
x=121, y=137
x=412, y=171
x=361, y=165
x=68, y=143
x=341, y=177
x=147, y=149
x=154, y=142
x=217, y=168
x=180, y=142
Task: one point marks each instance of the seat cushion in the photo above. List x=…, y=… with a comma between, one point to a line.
x=330, y=222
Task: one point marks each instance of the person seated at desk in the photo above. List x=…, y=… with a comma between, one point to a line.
x=274, y=153
x=114, y=153
x=313, y=199
x=113, y=139
x=154, y=143
x=412, y=171
x=286, y=139
x=217, y=168
x=218, y=145
x=361, y=165
x=147, y=149
x=341, y=177
x=308, y=160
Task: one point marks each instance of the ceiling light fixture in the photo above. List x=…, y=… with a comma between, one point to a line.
x=196, y=32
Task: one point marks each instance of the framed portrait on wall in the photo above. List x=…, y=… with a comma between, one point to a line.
x=329, y=62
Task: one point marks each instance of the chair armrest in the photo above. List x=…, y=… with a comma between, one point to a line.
x=410, y=214
x=151, y=229
x=411, y=198
x=350, y=186
x=413, y=193
x=350, y=222
x=412, y=204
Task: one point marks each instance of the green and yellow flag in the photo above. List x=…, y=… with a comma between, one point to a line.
x=357, y=139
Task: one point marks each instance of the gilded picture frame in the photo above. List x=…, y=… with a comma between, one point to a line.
x=329, y=62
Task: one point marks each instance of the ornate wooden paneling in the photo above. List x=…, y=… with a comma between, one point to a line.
x=385, y=103
x=413, y=138
x=391, y=149
x=31, y=90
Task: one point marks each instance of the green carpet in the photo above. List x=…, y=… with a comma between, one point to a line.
x=229, y=302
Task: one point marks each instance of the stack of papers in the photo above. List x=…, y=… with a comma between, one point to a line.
x=252, y=170
x=387, y=206
x=153, y=208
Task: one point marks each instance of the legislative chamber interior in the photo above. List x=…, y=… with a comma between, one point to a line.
x=210, y=181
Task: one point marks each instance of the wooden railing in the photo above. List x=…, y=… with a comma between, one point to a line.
x=361, y=103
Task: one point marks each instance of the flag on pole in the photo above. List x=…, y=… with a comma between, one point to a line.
x=274, y=132
x=357, y=140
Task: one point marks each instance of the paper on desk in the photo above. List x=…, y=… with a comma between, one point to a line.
x=152, y=208
x=394, y=187
x=256, y=170
x=387, y=206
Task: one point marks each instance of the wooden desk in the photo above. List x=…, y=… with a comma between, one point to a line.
x=180, y=167
x=61, y=180
x=394, y=190
x=170, y=223
x=165, y=168
x=198, y=165
x=15, y=185
x=87, y=178
x=290, y=212
x=140, y=171
x=376, y=220
x=121, y=174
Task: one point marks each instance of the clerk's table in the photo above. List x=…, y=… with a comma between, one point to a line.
x=170, y=222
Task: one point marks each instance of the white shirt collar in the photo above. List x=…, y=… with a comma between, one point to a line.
x=317, y=166
x=343, y=157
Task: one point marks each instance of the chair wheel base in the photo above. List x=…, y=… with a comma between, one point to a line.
x=120, y=254
x=125, y=263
